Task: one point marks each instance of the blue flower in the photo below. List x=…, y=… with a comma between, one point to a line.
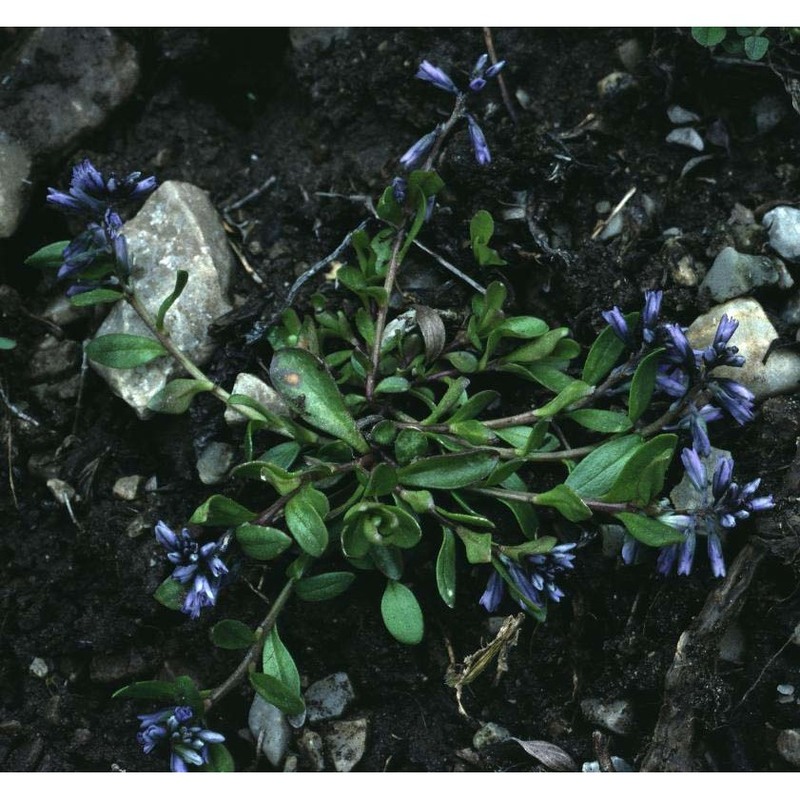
x=736, y=399
x=619, y=325
x=678, y=350
x=171, y=726
x=696, y=420
x=90, y=194
x=479, y=146
x=438, y=77
x=650, y=315
x=418, y=150
x=197, y=564
x=399, y=189
x=719, y=353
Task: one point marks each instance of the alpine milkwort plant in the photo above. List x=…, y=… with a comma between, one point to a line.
x=389, y=445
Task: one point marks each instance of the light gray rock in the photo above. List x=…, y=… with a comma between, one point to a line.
x=789, y=746
x=615, y=86
x=329, y=698
x=616, y=716
x=678, y=115
x=15, y=170
x=81, y=76
x=783, y=226
x=686, y=137
x=214, y=463
x=60, y=311
x=310, y=742
x=257, y=390
x=735, y=274
x=489, y=734
x=270, y=722
x=127, y=487
x=345, y=743
x=779, y=375
x=631, y=54
x=39, y=668
x=177, y=228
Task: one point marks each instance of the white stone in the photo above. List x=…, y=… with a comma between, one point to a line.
x=269, y=721
x=127, y=488
x=783, y=225
x=779, y=375
x=329, y=698
x=687, y=137
x=178, y=228
x=39, y=668
x=257, y=390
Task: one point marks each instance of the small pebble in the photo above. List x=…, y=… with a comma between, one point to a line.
x=616, y=716
x=214, y=463
x=39, y=668
x=735, y=274
x=345, y=743
x=785, y=689
x=329, y=697
x=491, y=733
x=686, y=137
x=127, y=488
x=783, y=226
x=271, y=721
x=619, y=764
x=789, y=746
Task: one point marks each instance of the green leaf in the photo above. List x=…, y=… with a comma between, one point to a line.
x=428, y=181
x=170, y=594
x=95, y=297
x=650, y=531
x=476, y=520
x=123, y=350
x=282, y=455
x=605, y=352
x=280, y=479
x=51, y=255
x=463, y=361
x=277, y=661
x=481, y=230
x=450, y=398
x=566, y=397
x=544, y=544
x=596, y=474
x=755, y=47
x=709, y=37
x=221, y=511
x=477, y=545
x=472, y=432
x=446, y=568
x=177, y=395
x=306, y=525
x=388, y=209
x=642, y=477
x=323, y=587
x=566, y=501
x=261, y=542
x=401, y=613
x=477, y=403
x=601, y=421
x=388, y=560
x=643, y=385
x=230, y=634
x=181, y=278
x=452, y=471
x=410, y=444
x=382, y=480
x=392, y=385
x=6, y=343
x=537, y=349
x=146, y=690
x=274, y=691
x=306, y=385
x=219, y=759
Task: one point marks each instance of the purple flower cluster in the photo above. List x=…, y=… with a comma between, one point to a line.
x=99, y=255
x=481, y=73
x=719, y=503
x=188, y=743
x=195, y=564
x=534, y=579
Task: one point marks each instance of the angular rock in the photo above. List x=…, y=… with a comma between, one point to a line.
x=127, y=488
x=266, y=719
x=345, y=743
x=214, y=463
x=257, y=390
x=783, y=225
x=735, y=274
x=615, y=86
x=59, y=85
x=329, y=698
x=686, y=137
x=178, y=228
x=779, y=375
x=616, y=716
x=39, y=668
x=789, y=746
x=489, y=734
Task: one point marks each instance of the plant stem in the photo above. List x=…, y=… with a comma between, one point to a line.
x=380, y=322
x=531, y=497
x=246, y=663
x=188, y=365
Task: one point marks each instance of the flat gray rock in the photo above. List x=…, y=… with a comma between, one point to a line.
x=329, y=698
x=783, y=226
x=58, y=85
x=178, y=228
x=781, y=373
x=268, y=723
x=214, y=463
x=735, y=274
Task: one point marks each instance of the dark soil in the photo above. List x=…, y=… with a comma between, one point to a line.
x=226, y=110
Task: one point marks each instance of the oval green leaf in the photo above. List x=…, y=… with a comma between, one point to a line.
x=451, y=471
x=230, y=634
x=323, y=587
x=221, y=511
x=262, y=542
x=123, y=350
x=401, y=613
x=307, y=526
x=177, y=395
x=650, y=531
x=446, y=568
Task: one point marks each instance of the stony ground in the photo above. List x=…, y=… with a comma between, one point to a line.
x=327, y=115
